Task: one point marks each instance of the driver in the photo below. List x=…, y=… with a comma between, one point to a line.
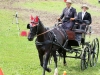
x=68, y=15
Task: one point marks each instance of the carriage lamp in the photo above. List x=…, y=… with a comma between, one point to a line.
x=90, y=29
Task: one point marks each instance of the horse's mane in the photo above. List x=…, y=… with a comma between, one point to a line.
x=40, y=22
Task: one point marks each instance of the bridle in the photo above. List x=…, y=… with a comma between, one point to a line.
x=37, y=24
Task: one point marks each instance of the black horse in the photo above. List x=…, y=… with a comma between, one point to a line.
x=44, y=44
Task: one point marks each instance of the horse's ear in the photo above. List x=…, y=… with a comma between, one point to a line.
x=36, y=19
x=28, y=26
x=31, y=18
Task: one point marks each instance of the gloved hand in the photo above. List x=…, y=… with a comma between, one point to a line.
x=59, y=19
x=71, y=19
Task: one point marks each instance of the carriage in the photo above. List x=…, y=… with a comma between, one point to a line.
x=86, y=51
x=50, y=41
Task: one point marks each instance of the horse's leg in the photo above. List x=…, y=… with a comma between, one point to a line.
x=47, y=55
x=64, y=56
x=55, y=58
x=44, y=62
x=50, y=59
x=41, y=58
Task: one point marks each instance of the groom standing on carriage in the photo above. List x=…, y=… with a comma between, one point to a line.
x=68, y=16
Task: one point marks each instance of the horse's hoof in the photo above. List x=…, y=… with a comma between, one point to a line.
x=65, y=64
x=48, y=70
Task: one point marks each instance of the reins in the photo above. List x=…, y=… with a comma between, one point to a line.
x=48, y=30
x=45, y=32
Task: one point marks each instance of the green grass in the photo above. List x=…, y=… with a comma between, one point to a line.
x=49, y=6
x=52, y=6
x=93, y=2
x=18, y=56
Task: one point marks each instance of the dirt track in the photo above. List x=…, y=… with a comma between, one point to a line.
x=47, y=18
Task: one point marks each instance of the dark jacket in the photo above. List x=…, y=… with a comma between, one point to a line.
x=87, y=16
x=67, y=24
x=72, y=14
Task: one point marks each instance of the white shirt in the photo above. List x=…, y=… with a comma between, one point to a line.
x=83, y=14
x=67, y=11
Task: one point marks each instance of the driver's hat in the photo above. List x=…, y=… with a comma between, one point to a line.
x=69, y=1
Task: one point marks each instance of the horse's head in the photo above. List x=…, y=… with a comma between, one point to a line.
x=33, y=27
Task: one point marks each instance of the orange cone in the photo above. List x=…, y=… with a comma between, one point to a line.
x=1, y=73
x=64, y=73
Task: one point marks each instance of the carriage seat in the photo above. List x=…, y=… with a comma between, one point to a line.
x=70, y=34
x=75, y=37
x=82, y=26
x=73, y=40
x=79, y=31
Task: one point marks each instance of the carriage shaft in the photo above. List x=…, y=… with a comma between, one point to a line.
x=74, y=57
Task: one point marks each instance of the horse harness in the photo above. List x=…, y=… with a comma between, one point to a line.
x=53, y=39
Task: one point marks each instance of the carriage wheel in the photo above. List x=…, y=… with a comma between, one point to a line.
x=94, y=52
x=85, y=58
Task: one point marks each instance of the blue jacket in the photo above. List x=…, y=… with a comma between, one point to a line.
x=66, y=15
x=72, y=14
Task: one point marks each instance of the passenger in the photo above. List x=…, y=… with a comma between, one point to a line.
x=84, y=15
x=68, y=15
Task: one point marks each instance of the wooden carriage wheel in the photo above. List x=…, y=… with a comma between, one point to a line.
x=85, y=58
x=94, y=51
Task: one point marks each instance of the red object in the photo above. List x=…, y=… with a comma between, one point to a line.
x=65, y=0
x=23, y=33
x=64, y=73
x=32, y=18
x=36, y=19
x=1, y=73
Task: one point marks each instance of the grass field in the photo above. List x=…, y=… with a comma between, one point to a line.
x=18, y=56
x=93, y=2
x=53, y=6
